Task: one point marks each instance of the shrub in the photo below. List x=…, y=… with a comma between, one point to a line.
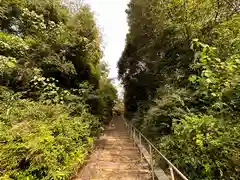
x=40, y=141
x=171, y=104
x=204, y=147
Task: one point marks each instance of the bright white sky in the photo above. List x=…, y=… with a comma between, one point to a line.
x=112, y=20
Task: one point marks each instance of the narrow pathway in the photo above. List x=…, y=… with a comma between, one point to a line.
x=115, y=157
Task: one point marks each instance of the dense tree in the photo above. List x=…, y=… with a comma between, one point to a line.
x=158, y=45
x=54, y=94
x=181, y=79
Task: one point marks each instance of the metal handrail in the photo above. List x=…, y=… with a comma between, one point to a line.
x=172, y=167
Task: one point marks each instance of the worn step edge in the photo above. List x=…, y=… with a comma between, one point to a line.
x=159, y=173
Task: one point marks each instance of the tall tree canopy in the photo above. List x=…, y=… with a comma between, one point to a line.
x=180, y=71
x=54, y=93
x=158, y=49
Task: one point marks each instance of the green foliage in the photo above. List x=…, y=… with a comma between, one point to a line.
x=204, y=147
x=171, y=104
x=118, y=108
x=65, y=50
x=42, y=141
x=50, y=59
x=6, y=64
x=46, y=90
x=12, y=45
x=107, y=94
x=32, y=23
x=158, y=47
x=180, y=72
x=219, y=79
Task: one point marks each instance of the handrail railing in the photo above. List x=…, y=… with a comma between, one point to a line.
x=132, y=130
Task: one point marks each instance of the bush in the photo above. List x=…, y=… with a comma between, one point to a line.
x=197, y=127
x=204, y=147
x=40, y=141
x=171, y=104
x=50, y=58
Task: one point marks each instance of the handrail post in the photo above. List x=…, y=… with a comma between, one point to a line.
x=140, y=145
x=134, y=134
x=172, y=173
x=151, y=159
x=131, y=130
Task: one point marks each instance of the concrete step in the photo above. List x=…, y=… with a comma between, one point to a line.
x=115, y=166
x=115, y=157
x=121, y=148
x=120, y=175
x=124, y=175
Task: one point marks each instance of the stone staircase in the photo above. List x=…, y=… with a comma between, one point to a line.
x=115, y=157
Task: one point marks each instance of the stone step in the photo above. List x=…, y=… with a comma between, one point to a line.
x=131, y=166
x=118, y=139
x=125, y=143
x=120, y=175
x=121, y=148
x=115, y=157
x=128, y=153
x=125, y=160
x=127, y=171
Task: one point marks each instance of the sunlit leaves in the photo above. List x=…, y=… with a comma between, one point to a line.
x=51, y=59
x=45, y=137
x=11, y=45
x=218, y=77
x=180, y=78
x=194, y=147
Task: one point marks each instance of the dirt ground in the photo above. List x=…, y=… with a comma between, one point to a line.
x=115, y=157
